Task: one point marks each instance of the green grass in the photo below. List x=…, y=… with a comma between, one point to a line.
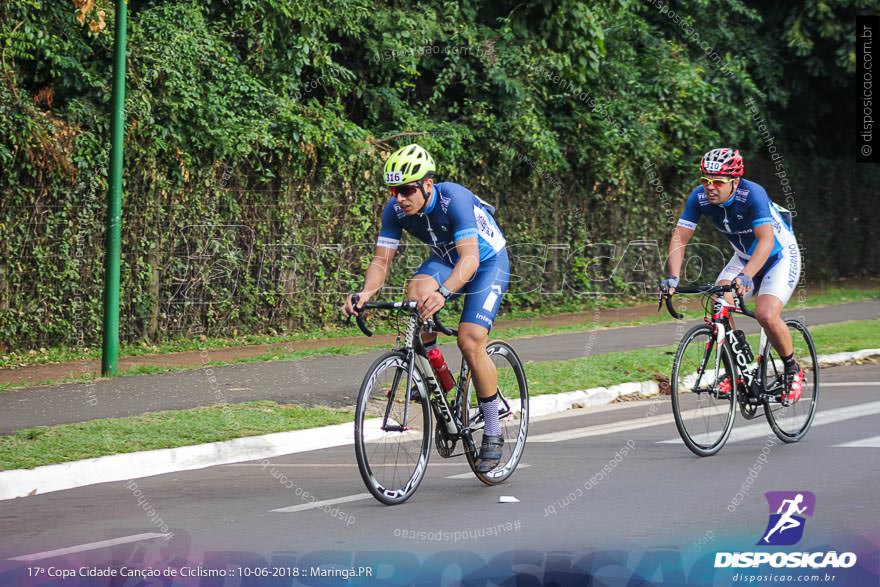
x=846, y=336
x=341, y=350
x=832, y=295
x=644, y=364
x=691, y=307
x=68, y=442
x=836, y=295
x=189, y=344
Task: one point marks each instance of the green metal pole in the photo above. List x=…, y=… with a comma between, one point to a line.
x=110, y=357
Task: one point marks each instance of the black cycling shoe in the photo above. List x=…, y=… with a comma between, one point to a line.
x=490, y=453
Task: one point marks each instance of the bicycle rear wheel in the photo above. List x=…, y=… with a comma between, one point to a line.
x=513, y=410
x=392, y=430
x=703, y=411
x=791, y=423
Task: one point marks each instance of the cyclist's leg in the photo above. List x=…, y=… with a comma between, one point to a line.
x=733, y=268
x=482, y=299
x=775, y=287
x=483, y=296
x=427, y=279
x=768, y=311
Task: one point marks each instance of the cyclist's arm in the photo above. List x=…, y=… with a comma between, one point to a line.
x=386, y=247
x=677, y=244
x=684, y=230
x=763, y=248
x=468, y=262
x=377, y=272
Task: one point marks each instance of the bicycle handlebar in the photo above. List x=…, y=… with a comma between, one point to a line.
x=433, y=324
x=709, y=289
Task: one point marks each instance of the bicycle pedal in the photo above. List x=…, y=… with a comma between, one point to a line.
x=396, y=429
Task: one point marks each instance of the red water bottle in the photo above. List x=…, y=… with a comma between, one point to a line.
x=435, y=357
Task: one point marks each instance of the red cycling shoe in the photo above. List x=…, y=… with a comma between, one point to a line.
x=724, y=387
x=794, y=387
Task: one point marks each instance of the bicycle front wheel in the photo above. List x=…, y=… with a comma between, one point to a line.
x=392, y=429
x=704, y=391
x=513, y=411
x=791, y=423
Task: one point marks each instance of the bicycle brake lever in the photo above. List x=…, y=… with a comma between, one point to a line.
x=354, y=301
x=359, y=317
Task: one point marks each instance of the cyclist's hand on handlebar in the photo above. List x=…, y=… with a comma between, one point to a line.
x=668, y=285
x=430, y=305
x=743, y=284
x=349, y=309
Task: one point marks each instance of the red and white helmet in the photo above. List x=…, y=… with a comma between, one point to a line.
x=722, y=161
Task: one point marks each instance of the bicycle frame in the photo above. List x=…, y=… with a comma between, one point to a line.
x=722, y=310
x=444, y=414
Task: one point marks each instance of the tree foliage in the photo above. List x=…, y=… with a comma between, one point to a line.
x=255, y=131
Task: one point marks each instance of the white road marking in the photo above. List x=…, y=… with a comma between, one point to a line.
x=600, y=409
x=613, y=427
x=822, y=418
x=329, y=465
x=850, y=384
x=320, y=504
x=88, y=546
x=872, y=442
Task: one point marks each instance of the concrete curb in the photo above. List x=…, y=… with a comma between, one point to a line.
x=121, y=467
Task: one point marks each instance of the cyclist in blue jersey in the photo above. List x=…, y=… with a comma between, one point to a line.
x=468, y=257
x=766, y=258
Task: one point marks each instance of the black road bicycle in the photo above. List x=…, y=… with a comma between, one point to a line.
x=715, y=370
x=393, y=426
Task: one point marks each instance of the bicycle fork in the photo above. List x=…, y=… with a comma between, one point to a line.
x=719, y=340
x=402, y=427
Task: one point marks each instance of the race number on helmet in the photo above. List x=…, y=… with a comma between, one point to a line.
x=723, y=161
x=408, y=164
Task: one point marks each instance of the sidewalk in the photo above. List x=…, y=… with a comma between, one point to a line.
x=32, y=374
x=330, y=381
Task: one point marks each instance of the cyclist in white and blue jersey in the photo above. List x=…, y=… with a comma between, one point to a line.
x=766, y=259
x=468, y=257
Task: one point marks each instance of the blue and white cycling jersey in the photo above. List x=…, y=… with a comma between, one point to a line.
x=453, y=213
x=738, y=217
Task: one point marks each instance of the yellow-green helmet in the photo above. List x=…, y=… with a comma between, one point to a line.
x=408, y=164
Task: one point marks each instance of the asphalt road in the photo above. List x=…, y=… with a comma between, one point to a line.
x=657, y=495
x=331, y=381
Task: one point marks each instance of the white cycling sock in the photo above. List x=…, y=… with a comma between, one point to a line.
x=490, y=416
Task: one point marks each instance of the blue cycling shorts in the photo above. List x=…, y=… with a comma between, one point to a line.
x=483, y=293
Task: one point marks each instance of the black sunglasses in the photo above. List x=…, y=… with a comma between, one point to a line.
x=405, y=190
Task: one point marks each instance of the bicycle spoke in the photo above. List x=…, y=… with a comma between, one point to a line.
x=512, y=390
x=791, y=422
x=393, y=425
x=703, y=413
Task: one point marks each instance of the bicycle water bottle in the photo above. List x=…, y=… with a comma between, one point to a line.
x=438, y=363
x=744, y=345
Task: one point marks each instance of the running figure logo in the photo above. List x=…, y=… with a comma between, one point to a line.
x=786, y=525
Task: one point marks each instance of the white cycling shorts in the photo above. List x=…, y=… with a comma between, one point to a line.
x=779, y=279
